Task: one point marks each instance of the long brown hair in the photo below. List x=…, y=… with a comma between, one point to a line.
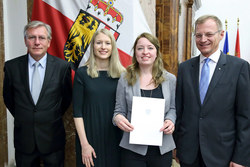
x=157, y=72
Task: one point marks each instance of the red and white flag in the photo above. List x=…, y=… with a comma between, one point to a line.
x=74, y=22
x=237, y=44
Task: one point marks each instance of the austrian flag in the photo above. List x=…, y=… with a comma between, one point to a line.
x=73, y=24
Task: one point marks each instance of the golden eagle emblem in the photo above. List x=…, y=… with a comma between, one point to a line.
x=79, y=37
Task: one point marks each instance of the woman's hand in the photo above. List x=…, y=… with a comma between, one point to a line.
x=123, y=123
x=87, y=152
x=168, y=127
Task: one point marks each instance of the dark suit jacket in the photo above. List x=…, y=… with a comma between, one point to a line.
x=39, y=124
x=221, y=126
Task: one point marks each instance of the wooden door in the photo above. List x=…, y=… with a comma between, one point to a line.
x=3, y=114
x=167, y=14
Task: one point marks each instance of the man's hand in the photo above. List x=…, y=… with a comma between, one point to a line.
x=232, y=164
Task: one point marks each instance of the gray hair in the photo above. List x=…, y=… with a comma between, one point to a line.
x=204, y=18
x=35, y=24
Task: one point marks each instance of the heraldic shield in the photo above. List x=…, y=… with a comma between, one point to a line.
x=80, y=35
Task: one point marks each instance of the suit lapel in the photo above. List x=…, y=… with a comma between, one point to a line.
x=165, y=86
x=24, y=68
x=195, y=76
x=136, y=87
x=219, y=70
x=48, y=73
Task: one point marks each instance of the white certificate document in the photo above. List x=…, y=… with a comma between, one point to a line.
x=147, y=117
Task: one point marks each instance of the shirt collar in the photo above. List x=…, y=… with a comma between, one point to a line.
x=42, y=61
x=214, y=57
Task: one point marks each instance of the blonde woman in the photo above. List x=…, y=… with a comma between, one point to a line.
x=97, y=140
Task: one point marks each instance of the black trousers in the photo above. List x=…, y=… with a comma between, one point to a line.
x=153, y=158
x=54, y=159
x=197, y=163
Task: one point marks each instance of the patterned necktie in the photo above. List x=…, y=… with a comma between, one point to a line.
x=36, y=83
x=204, y=80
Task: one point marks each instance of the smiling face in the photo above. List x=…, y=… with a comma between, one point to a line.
x=208, y=37
x=145, y=52
x=37, y=42
x=102, y=47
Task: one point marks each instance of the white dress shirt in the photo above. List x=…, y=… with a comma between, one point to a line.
x=212, y=63
x=41, y=68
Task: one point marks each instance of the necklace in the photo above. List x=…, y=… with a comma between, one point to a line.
x=151, y=92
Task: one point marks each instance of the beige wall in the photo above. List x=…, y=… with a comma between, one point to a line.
x=148, y=7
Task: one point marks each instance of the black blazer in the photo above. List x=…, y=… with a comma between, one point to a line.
x=220, y=127
x=39, y=124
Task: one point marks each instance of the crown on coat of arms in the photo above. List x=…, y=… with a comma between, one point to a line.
x=106, y=12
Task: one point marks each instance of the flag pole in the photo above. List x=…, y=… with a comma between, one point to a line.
x=226, y=24
x=237, y=44
x=238, y=22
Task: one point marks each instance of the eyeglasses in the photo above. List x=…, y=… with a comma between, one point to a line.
x=208, y=34
x=40, y=38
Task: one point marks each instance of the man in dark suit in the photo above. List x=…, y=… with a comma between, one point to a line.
x=37, y=97
x=213, y=124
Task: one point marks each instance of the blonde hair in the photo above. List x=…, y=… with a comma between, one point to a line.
x=115, y=68
x=157, y=71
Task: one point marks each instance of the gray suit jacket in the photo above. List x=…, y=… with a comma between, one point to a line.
x=124, y=96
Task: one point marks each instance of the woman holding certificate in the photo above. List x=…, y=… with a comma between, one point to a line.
x=139, y=96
